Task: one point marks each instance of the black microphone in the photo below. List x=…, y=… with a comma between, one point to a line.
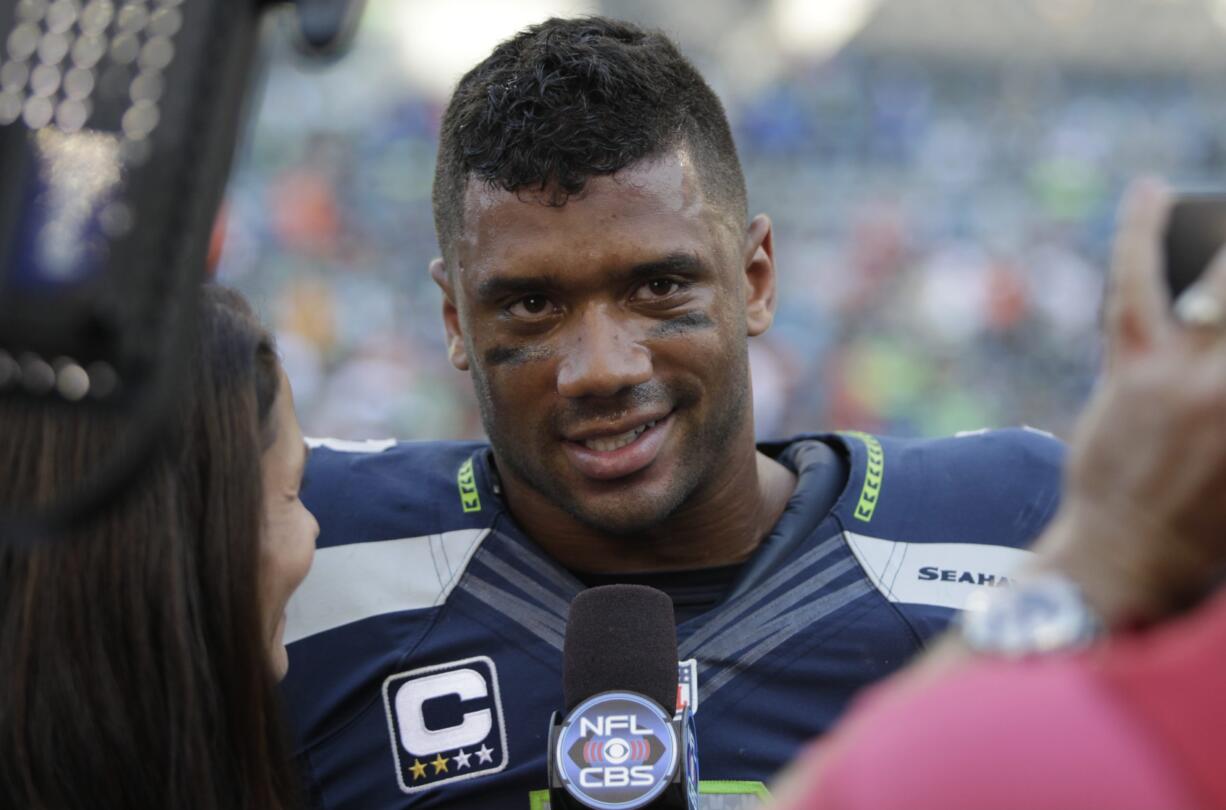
x=621, y=744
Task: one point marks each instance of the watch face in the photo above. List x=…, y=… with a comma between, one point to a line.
x=1036, y=616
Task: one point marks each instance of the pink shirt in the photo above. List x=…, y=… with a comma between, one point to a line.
x=1139, y=724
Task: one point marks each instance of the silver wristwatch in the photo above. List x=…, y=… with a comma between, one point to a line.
x=1029, y=616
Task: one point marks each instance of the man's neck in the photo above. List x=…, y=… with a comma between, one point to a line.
x=721, y=527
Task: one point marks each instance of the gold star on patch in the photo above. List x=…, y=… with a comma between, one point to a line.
x=419, y=769
x=440, y=763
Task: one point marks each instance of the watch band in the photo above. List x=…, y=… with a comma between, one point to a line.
x=1044, y=614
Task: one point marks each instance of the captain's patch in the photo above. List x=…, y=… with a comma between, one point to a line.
x=446, y=723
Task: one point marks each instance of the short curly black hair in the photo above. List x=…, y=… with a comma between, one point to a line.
x=570, y=99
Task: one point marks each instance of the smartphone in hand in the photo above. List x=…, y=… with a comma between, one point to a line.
x=1195, y=233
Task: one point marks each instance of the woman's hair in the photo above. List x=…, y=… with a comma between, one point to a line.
x=134, y=666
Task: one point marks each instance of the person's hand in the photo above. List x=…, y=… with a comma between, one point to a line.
x=1143, y=525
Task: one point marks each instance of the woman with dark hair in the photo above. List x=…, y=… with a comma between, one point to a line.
x=140, y=653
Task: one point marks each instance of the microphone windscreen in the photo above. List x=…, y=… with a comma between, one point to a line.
x=621, y=638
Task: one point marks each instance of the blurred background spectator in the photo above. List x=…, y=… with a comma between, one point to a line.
x=942, y=175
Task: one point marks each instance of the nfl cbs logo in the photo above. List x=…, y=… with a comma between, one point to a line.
x=446, y=723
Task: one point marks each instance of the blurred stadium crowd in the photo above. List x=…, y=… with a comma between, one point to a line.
x=941, y=225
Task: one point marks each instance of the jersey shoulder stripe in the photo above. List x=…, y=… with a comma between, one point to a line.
x=931, y=520
x=408, y=573
x=403, y=519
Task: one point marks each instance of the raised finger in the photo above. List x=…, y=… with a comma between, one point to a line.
x=1137, y=299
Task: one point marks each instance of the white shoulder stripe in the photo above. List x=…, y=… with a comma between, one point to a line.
x=941, y=574
x=357, y=581
x=349, y=446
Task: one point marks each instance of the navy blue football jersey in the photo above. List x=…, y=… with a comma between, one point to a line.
x=426, y=643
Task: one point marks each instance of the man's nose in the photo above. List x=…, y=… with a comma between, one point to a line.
x=602, y=358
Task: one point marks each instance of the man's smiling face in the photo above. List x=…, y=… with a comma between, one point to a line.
x=607, y=339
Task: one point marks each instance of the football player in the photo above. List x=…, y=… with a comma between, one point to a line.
x=600, y=280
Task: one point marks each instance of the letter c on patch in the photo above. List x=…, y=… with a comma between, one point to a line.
x=418, y=740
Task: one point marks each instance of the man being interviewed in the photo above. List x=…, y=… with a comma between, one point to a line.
x=600, y=280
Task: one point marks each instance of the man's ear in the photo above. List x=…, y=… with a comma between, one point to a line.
x=759, y=262
x=451, y=316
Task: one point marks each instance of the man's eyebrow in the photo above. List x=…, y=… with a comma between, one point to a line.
x=492, y=289
x=678, y=263
x=499, y=287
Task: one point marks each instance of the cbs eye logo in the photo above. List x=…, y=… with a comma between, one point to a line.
x=446, y=723
x=616, y=750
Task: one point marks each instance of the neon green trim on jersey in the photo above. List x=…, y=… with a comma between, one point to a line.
x=873, y=473
x=539, y=799
x=470, y=499
x=724, y=787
